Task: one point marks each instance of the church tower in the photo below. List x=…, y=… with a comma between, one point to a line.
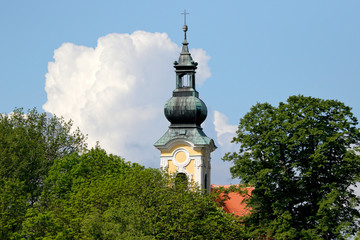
x=185, y=149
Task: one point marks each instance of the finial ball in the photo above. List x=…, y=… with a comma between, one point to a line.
x=185, y=28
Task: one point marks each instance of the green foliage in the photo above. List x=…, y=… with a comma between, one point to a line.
x=100, y=196
x=13, y=206
x=53, y=188
x=29, y=144
x=301, y=158
x=357, y=237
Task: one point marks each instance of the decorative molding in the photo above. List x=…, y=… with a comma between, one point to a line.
x=164, y=162
x=187, y=160
x=175, y=142
x=199, y=162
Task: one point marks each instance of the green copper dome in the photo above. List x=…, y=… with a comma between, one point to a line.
x=185, y=110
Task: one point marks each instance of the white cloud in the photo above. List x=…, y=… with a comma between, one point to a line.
x=224, y=131
x=203, y=71
x=116, y=91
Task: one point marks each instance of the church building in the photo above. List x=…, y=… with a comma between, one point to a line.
x=185, y=149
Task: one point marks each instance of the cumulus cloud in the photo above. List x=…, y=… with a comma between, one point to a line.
x=116, y=91
x=203, y=72
x=224, y=131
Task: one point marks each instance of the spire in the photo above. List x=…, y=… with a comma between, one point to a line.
x=185, y=58
x=185, y=43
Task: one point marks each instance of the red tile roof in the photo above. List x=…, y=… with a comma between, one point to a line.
x=234, y=204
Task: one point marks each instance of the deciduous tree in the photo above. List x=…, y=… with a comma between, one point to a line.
x=302, y=159
x=29, y=144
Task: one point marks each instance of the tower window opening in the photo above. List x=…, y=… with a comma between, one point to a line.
x=186, y=81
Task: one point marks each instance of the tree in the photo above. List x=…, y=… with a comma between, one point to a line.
x=301, y=157
x=100, y=196
x=13, y=206
x=29, y=144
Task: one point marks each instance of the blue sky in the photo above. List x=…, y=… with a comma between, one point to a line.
x=258, y=51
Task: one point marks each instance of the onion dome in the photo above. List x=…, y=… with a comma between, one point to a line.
x=181, y=111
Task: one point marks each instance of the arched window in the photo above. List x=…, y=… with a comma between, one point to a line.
x=181, y=181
